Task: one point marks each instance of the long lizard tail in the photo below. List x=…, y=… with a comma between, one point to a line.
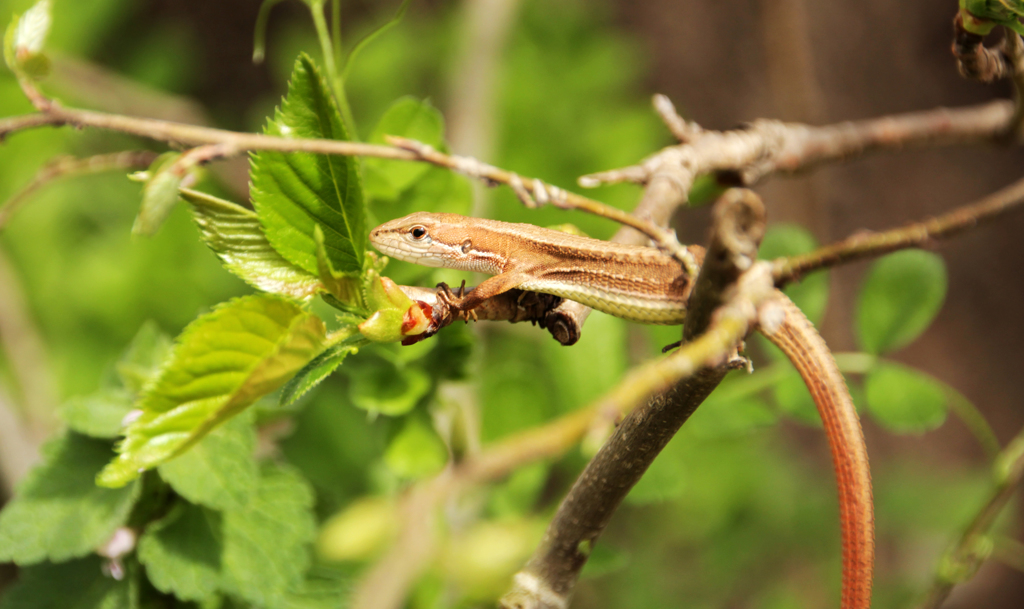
x=802, y=344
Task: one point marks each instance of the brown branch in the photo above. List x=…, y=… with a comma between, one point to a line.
x=68, y=166
x=730, y=300
x=766, y=146
x=962, y=561
x=865, y=245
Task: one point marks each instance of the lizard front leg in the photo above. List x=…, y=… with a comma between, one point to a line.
x=493, y=286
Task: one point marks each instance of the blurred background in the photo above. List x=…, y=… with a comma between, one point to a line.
x=552, y=89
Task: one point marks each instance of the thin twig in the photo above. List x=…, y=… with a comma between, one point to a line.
x=765, y=147
x=68, y=166
x=962, y=561
x=682, y=129
x=866, y=245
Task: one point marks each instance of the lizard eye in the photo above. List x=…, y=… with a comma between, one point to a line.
x=418, y=232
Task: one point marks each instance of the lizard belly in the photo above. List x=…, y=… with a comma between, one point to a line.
x=661, y=311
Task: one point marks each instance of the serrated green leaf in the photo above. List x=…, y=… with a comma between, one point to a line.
x=267, y=542
x=235, y=235
x=410, y=118
x=811, y=293
x=219, y=471
x=78, y=584
x=901, y=296
x=144, y=356
x=383, y=388
x=294, y=192
x=99, y=415
x=904, y=400
x=58, y=512
x=182, y=552
x=417, y=451
x=159, y=194
x=318, y=369
x=223, y=362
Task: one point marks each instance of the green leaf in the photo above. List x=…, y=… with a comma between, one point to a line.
x=318, y=369
x=364, y=528
x=904, y=400
x=383, y=388
x=267, y=542
x=811, y=293
x=219, y=471
x=901, y=296
x=223, y=362
x=99, y=415
x=410, y=118
x=159, y=193
x=295, y=192
x=417, y=451
x=182, y=552
x=58, y=512
x=235, y=234
x=78, y=584
x=144, y=356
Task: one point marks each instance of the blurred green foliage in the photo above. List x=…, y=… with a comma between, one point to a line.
x=739, y=508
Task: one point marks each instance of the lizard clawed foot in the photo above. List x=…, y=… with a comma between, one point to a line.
x=455, y=301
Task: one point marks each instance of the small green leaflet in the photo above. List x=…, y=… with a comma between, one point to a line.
x=223, y=362
x=417, y=451
x=904, y=400
x=159, y=193
x=319, y=368
x=295, y=192
x=901, y=296
x=410, y=118
x=59, y=512
x=234, y=233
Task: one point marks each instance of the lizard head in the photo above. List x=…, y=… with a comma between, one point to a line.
x=430, y=239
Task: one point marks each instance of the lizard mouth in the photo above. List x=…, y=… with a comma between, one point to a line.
x=400, y=253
